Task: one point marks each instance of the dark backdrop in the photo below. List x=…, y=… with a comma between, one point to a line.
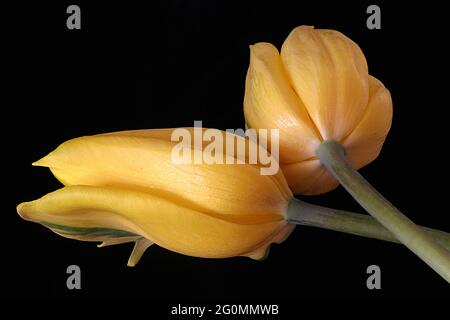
x=169, y=63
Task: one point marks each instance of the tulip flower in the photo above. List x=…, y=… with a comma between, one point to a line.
x=317, y=89
x=333, y=118
x=125, y=187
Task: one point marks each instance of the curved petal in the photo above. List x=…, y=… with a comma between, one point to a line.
x=141, y=160
x=364, y=143
x=309, y=177
x=262, y=251
x=328, y=71
x=159, y=220
x=270, y=102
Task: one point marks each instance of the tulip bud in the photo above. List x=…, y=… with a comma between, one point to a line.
x=317, y=89
x=124, y=186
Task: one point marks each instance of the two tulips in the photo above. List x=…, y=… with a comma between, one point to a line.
x=333, y=118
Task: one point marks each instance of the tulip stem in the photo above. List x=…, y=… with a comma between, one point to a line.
x=306, y=214
x=332, y=156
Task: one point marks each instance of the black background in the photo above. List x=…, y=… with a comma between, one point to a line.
x=169, y=63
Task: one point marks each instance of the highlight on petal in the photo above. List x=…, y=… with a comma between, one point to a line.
x=328, y=71
x=270, y=102
x=157, y=219
x=365, y=142
x=141, y=160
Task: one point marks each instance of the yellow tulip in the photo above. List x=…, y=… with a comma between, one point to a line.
x=317, y=89
x=123, y=187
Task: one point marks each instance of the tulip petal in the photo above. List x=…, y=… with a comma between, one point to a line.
x=141, y=160
x=159, y=220
x=270, y=102
x=364, y=144
x=262, y=251
x=329, y=72
x=139, y=248
x=165, y=135
x=309, y=177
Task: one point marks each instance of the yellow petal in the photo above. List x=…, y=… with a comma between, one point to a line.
x=159, y=220
x=364, y=144
x=270, y=102
x=309, y=177
x=262, y=251
x=141, y=160
x=329, y=73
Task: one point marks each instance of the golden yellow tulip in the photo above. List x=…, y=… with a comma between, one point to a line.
x=124, y=186
x=318, y=89
x=333, y=119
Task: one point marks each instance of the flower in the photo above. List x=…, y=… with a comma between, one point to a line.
x=123, y=186
x=317, y=89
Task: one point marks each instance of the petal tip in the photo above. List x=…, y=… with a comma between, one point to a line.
x=140, y=246
x=21, y=210
x=302, y=28
x=260, y=48
x=259, y=254
x=41, y=162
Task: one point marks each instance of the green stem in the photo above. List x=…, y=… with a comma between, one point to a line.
x=306, y=214
x=332, y=156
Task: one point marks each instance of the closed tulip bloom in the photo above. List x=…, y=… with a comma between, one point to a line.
x=123, y=186
x=318, y=89
x=333, y=119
